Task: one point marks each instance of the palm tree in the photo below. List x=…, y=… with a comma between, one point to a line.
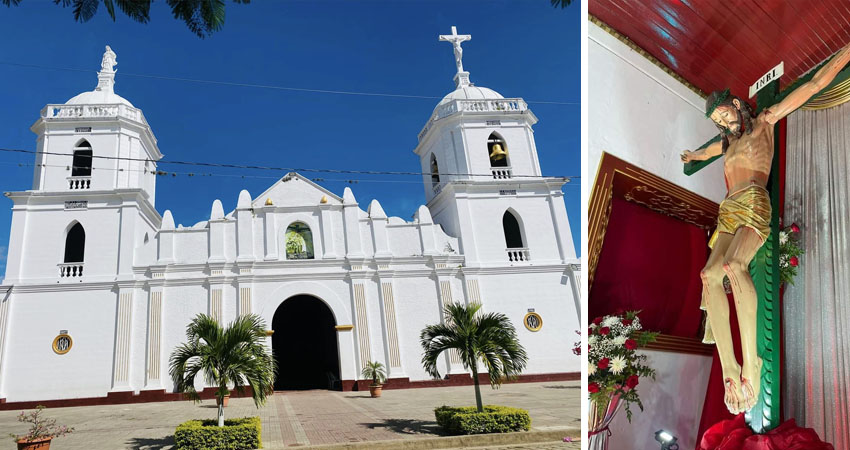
x=234, y=355
x=489, y=337
x=203, y=17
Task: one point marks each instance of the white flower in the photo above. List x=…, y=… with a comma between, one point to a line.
x=592, y=326
x=592, y=340
x=591, y=369
x=618, y=364
x=783, y=237
x=620, y=341
x=610, y=321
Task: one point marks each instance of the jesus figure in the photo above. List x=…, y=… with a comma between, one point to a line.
x=743, y=224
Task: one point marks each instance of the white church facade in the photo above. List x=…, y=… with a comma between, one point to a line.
x=99, y=287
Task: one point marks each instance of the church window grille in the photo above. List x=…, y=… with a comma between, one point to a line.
x=299, y=241
x=75, y=244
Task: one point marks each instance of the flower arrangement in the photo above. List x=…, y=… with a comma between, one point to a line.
x=789, y=253
x=615, y=368
x=41, y=429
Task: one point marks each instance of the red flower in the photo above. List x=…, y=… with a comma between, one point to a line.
x=631, y=344
x=593, y=387
x=795, y=228
x=589, y=331
x=632, y=381
x=597, y=321
x=603, y=363
x=794, y=261
x=604, y=331
x=627, y=322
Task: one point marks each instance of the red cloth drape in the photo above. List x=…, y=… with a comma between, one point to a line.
x=651, y=262
x=735, y=434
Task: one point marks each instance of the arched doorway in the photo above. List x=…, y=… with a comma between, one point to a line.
x=305, y=345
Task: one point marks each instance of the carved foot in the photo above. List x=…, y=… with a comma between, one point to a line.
x=751, y=383
x=732, y=396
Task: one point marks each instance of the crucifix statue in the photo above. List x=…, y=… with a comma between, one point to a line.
x=456, y=40
x=743, y=224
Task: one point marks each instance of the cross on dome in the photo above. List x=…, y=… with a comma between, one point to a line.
x=461, y=78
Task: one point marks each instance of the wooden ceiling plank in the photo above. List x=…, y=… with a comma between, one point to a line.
x=688, y=48
x=641, y=37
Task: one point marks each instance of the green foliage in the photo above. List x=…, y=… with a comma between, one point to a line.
x=489, y=337
x=234, y=355
x=374, y=370
x=236, y=434
x=202, y=17
x=41, y=427
x=494, y=419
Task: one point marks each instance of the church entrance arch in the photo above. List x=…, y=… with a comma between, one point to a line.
x=305, y=345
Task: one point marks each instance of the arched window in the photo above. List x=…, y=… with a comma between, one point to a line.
x=81, y=164
x=75, y=244
x=497, y=150
x=435, y=171
x=513, y=233
x=299, y=241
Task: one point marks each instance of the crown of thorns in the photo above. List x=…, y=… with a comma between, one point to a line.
x=717, y=102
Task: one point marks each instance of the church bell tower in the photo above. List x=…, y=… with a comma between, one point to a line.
x=483, y=181
x=92, y=198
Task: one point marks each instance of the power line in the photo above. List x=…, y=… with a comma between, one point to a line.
x=163, y=173
x=260, y=86
x=278, y=169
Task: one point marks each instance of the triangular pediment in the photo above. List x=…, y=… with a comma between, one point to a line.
x=295, y=190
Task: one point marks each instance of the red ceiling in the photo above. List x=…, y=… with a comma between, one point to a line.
x=714, y=47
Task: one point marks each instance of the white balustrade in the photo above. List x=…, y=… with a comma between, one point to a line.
x=474, y=106
x=78, y=182
x=502, y=173
x=71, y=270
x=518, y=255
x=92, y=111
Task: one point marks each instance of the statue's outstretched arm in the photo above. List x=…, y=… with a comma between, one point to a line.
x=802, y=94
x=712, y=150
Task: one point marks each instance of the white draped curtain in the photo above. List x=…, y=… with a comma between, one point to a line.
x=816, y=312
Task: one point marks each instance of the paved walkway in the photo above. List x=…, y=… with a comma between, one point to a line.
x=307, y=417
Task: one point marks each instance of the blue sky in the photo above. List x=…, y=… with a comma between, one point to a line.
x=520, y=48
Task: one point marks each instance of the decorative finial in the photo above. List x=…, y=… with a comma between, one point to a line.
x=461, y=78
x=324, y=199
x=106, y=76
x=269, y=201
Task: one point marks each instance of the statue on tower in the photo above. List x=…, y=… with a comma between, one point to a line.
x=108, y=63
x=743, y=224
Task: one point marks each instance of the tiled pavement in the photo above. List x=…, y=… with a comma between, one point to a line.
x=308, y=417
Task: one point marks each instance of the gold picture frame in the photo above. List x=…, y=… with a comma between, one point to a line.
x=62, y=344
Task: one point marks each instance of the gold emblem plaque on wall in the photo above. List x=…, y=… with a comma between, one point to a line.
x=533, y=321
x=62, y=344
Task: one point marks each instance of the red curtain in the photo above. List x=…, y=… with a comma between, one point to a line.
x=651, y=262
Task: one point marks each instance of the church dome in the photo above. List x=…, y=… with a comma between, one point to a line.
x=98, y=97
x=470, y=92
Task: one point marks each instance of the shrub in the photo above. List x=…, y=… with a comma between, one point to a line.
x=494, y=419
x=236, y=434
